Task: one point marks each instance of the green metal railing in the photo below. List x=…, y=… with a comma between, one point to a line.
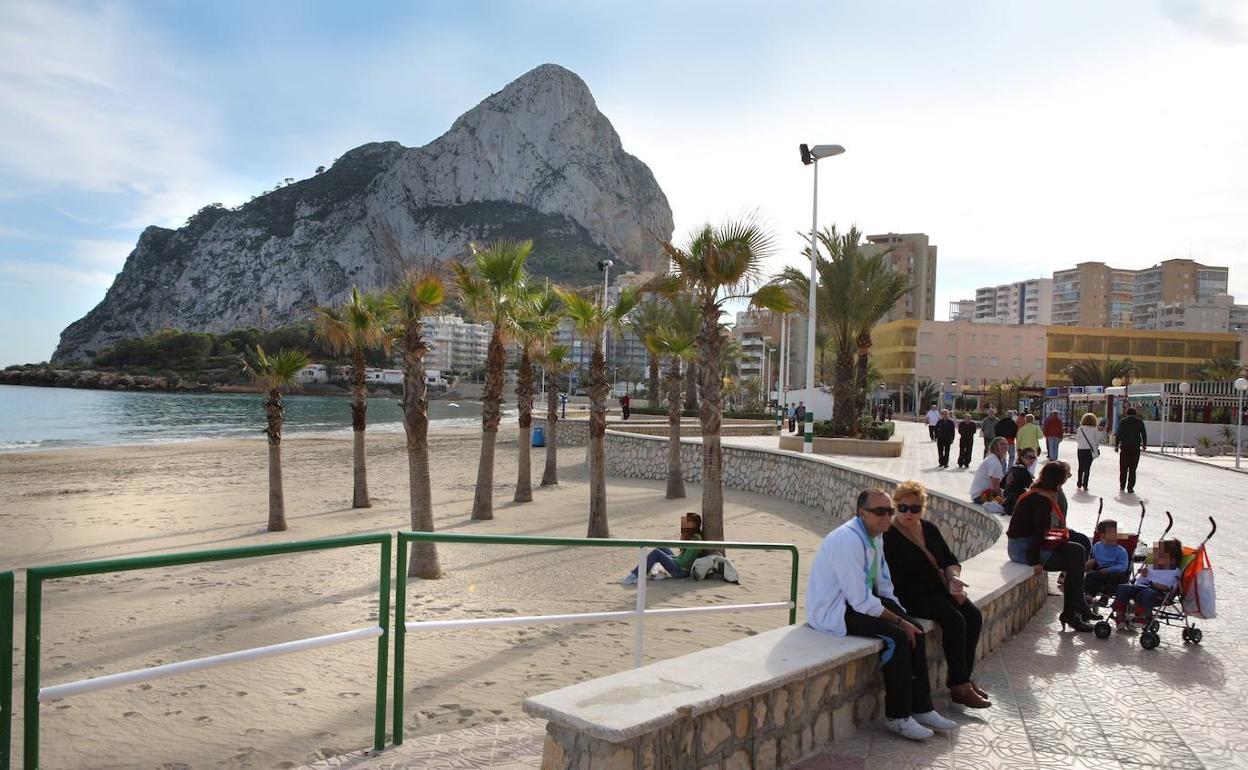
x=32, y=694
x=400, y=598
x=6, y=667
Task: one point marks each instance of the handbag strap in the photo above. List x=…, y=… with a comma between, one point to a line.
x=921, y=546
x=1057, y=509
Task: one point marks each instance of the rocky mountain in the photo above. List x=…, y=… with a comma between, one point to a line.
x=535, y=160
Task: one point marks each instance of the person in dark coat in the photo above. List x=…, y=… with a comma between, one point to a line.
x=945, y=431
x=1129, y=441
x=967, y=428
x=1007, y=428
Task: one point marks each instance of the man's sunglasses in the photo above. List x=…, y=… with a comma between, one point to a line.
x=881, y=510
x=903, y=508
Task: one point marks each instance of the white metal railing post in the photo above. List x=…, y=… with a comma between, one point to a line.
x=639, y=623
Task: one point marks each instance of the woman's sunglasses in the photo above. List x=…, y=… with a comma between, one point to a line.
x=903, y=508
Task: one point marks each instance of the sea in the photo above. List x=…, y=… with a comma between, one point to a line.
x=33, y=418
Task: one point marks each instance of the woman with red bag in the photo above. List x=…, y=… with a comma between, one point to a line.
x=1038, y=536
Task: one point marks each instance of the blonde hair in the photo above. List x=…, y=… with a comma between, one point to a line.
x=1088, y=419
x=911, y=489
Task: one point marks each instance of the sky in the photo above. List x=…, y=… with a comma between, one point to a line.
x=1021, y=137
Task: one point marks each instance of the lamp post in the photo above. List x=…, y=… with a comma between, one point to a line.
x=605, y=266
x=940, y=400
x=1184, y=389
x=1240, y=385
x=811, y=157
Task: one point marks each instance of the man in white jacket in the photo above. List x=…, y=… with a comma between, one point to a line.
x=851, y=593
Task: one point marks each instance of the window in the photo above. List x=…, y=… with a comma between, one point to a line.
x=1017, y=363
x=925, y=359
x=953, y=338
x=1039, y=364
x=973, y=361
x=993, y=361
x=925, y=336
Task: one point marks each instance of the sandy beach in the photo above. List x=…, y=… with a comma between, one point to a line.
x=285, y=712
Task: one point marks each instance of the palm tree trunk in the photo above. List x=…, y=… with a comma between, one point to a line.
x=491, y=415
x=550, y=476
x=711, y=414
x=692, y=379
x=359, y=406
x=675, y=476
x=277, y=501
x=846, y=408
x=652, y=385
x=524, y=400
x=424, y=561
x=598, y=526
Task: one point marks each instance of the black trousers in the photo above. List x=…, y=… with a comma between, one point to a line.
x=942, y=453
x=1085, y=468
x=1095, y=583
x=931, y=432
x=1128, y=461
x=965, y=446
x=906, y=689
x=960, y=625
x=1071, y=558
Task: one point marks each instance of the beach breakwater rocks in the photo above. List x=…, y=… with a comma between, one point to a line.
x=91, y=379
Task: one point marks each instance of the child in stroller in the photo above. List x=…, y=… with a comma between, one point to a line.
x=1152, y=586
x=1109, y=565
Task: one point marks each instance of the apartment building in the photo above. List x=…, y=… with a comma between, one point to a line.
x=1175, y=281
x=1158, y=356
x=962, y=310
x=455, y=344
x=1021, y=302
x=754, y=331
x=973, y=355
x=1212, y=315
x=911, y=254
x=1093, y=294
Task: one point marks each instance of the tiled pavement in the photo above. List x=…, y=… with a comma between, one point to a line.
x=1061, y=700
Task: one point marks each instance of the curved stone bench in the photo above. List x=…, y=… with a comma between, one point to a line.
x=768, y=700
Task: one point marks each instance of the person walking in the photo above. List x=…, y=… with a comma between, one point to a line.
x=1088, y=448
x=626, y=405
x=1007, y=429
x=799, y=414
x=1029, y=434
x=1129, y=441
x=850, y=593
x=1054, y=429
x=989, y=428
x=945, y=430
x=967, y=428
x=933, y=417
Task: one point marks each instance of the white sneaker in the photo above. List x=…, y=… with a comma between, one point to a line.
x=935, y=721
x=629, y=580
x=908, y=728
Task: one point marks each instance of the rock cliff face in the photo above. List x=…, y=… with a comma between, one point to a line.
x=535, y=160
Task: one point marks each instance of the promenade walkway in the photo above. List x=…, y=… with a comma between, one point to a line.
x=1061, y=700
x=1072, y=700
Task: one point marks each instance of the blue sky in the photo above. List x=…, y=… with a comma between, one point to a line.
x=1023, y=137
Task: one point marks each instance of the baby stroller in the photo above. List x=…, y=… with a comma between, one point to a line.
x=1191, y=597
x=1129, y=542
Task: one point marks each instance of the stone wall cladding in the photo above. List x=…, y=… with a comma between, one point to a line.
x=778, y=728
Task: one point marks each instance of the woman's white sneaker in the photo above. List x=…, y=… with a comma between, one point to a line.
x=935, y=721
x=908, y=728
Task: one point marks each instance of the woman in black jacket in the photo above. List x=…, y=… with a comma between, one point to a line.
x=967, y=428
x=927, y=578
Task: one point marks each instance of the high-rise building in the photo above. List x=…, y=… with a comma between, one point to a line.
x=962, y=310
x=1175, y=281
x=455, y=344
x=1021, y=302
x=755, y=330
x=1093, y=294
x=910, y=254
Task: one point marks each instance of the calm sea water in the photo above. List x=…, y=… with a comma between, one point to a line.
x=47, y=418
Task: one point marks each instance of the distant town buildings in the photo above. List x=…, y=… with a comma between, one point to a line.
x=455, y=344
x=1021, y=302
x=911, y=254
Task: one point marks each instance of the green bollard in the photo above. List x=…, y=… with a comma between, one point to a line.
x=808, y=440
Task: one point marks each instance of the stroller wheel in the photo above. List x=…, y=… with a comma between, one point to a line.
x=1187, y=634
x=1149, y=640
x=1152, y=627
x=1102, y=630
x=1194, y=635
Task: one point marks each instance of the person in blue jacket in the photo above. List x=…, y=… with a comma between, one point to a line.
x=851, y=593
x=1109, y=563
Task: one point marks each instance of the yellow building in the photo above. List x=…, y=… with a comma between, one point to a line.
x=1159, y=356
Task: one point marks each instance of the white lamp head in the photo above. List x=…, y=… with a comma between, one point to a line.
x=1184, y=388
x=1241, y=384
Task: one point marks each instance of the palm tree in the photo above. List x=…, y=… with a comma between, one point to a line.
x=491, y=287
x=274, y=373
x=592, y=320
x=677, y=340
x=928, y=393
x=1221, y=369
x=535, y=320
x=720, y=263
x=417, y=296
x=854, y=293
x=1093, y=371
x=646, y=321
x=556, y=360
x=359, y=325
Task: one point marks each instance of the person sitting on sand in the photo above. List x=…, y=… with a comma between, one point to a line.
x=676, y=566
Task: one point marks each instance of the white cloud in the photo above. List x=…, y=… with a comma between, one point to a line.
x=40, y=274
x=1225, y=21
x=91, y=102
x=102, y=253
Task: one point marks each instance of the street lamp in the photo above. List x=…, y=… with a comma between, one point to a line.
x=811, y=157
x=1241, y=385
x=605, y=266
x=1184, y=389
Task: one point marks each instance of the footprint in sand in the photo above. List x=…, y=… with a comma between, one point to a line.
x=130, y=714
x=348, y=695
x=253, y=731
x=283, y=765
x=239, y=693
x=294, y=691
x=203, y=720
